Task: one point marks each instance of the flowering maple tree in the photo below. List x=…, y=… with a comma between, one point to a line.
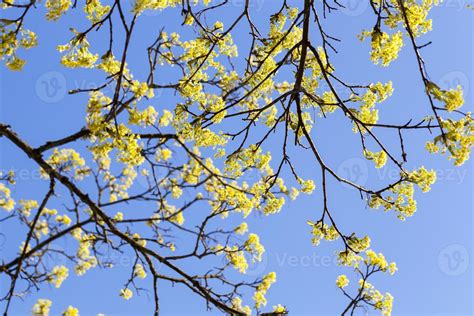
x=195, y=153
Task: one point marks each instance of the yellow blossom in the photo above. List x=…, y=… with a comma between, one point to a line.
x=342, y=281
x=41, y=308
x=71, y=311
x=126, y=293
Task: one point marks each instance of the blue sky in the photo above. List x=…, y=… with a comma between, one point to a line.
x=433, y=249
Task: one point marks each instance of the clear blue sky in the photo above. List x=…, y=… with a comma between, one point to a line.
x=433, y=249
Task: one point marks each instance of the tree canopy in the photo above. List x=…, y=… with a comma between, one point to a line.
x=172, y=182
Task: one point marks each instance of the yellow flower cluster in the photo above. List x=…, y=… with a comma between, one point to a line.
x=236, y=258
x=49, y=212
x=234, y=197
x=8, y=177
x=118, y=217
x=253, y=246
x=416, y=13
x=63, y=219
x=108, y=137
x=367, y=113
x=141, y=5
x=58, y=275
x=110, y=65
x=349, y=258
x=65, y=160
x=166, y=118
x=376, y=259
x=293, y=194
x=78, y=54
x=305, y=119
x=241, y=229
x=203, y=137
x=41, y=228
x=273, y=205
x=11, y=41
x=163, y=154
x=170, y=211
x=307, y=186
x=120, y=188
x=262, y=289
x=374, y=262
x=98, y=103
x=23, y=248
x=423, y=178
x=26, y=206
x=86, y=261
x=6, y=4
x=6, y=202
x=279, y=310
x=237, y=305
x=139, y=240
x=15, y=64
x=140, y=89
x=402, y=200
x=378, y=300
x=382, y=91
x=329, y=103
x=176, y=191
x=385, y=47
x=144, y=118
x=358, y=244
x=247, y=158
